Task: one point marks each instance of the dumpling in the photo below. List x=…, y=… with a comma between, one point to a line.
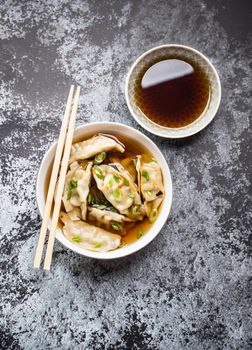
x=152, y=208
x=75, y=214
x=128, y=176
x=77, y=188
x=127, y=163
x=96, y=144
x=111, y=220
x=150, y=181
x=119, y=189
x=88, y=236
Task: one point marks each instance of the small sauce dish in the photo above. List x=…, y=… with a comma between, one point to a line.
x=136, y=94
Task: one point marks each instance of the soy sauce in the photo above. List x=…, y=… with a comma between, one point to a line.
x=172, y=91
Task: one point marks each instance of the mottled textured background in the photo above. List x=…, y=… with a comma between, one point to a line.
x=191, y=287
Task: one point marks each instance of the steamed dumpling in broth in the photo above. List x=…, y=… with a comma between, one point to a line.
x=111, y=220
x=95, y=145
x=118, y=188
x=77, y=188
x=88, y=236
x=126, y=163
x=150, y=181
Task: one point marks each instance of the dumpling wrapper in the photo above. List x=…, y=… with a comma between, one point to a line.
x=150, y=181
x=96, y=144
x=117, y=187
x=132, y=183
x=127, y=163
x=107, y=218
x=80, y=193
x=75, y=214
x=88, y=236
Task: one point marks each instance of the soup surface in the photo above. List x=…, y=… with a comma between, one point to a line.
x=172, y=91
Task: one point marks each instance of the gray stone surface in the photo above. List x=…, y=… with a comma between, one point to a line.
x=191, y=287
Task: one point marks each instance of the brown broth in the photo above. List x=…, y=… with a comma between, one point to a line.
x=132, y=149
x=172, y=91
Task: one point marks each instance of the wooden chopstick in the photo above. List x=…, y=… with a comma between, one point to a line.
x=53, y=180
x=61, y=183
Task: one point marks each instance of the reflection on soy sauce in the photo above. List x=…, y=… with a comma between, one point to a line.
x=172, y=92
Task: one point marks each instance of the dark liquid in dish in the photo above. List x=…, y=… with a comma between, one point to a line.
x=172, y=91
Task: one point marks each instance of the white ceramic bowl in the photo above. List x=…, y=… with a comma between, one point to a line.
x=193, y=55
x=135, y=137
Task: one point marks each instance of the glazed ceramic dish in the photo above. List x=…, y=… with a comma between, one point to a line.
x=193, y=55
x=134, y=137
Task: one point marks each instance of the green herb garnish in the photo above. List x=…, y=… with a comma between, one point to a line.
x=134, y=162
x=69, y=193
x=117, y=193
x=101, y=207
x=135, y=210
x=110, y=183
x=139, y=233
x=99, y=158
x=76, y=239
x=149, y=193
x=98, y=245
x=154, y=160
x=90, y=198
x=126, y=182
x=116, y=226
x=116, y=178
x=153, y=215
x=131, y=195
x=74, y=182
x=146, y=175
x=98, y=173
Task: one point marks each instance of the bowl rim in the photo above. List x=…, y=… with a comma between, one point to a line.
x=155, y=130
x=154, y=229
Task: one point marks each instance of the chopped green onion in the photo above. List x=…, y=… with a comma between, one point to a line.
x=101, y=207
x=139, y=233
x=134, y=162
x=76, y=239
x=116, y=178
x=110, y=183
x=154, y=160
x=74, y=182
x=117, y=193
x=131, y=195
x=116, y=226
x=98, y=245
x=99, y=158
x=146, y=175
x=98, y=173
x=69, y=193
x=90, y=198
x=135, y=210
x=149, y=193
x=126, y=182
x=153, y=215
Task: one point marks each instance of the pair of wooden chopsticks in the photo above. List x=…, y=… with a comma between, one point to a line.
x=65, y=139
